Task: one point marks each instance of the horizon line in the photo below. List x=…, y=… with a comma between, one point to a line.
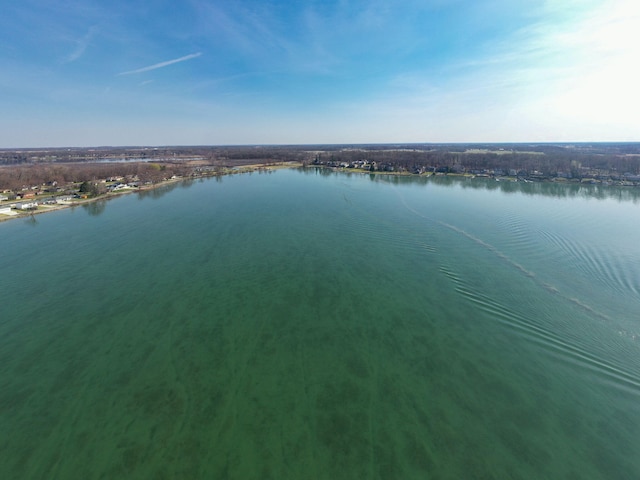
x=141, y=146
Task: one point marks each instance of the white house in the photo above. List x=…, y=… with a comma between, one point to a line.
x=27, y=206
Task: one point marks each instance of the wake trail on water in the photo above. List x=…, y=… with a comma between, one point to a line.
x=528, y=273
x=611, y=271
x=534, y=331
x=538, y=333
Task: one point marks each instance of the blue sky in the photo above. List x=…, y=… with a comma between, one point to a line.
x=202, y=72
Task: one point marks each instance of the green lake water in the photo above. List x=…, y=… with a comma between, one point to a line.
x=313, y=325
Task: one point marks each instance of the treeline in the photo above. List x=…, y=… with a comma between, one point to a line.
x=261, y=154
x=546, y=159
x=548, y=164
x=16, y=178
x=236, y=155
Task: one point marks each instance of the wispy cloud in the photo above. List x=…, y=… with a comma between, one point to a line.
x=564, y=76
x=81, y=45
x=162, y=64
x=250, y=32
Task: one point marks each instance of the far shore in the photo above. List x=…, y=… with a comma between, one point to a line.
x=232, y=170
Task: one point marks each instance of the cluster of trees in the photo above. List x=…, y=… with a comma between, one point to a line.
x=237, y=155
x=58, y=167
x=549, y=164
x=55, y=175
x=103, y=154
x=269, y=154
x=24, y=168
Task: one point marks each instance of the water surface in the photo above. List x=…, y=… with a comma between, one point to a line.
x=306, y=324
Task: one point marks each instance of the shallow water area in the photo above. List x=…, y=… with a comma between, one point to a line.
x=311, y=324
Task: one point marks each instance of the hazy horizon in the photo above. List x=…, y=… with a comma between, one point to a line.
x=309, y=145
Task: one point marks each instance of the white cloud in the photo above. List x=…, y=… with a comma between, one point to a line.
x=81, y=45
x=162, y=64
x=571, y=75
x=588, y=90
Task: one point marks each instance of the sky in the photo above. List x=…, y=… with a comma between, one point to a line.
x=237, y=72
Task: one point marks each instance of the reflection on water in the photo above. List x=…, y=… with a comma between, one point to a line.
x=547, y=189
x=552, y=189
x=95, y=208
x=31, y=220
x=161, y=190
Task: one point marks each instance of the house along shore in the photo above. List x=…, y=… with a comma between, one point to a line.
x=29, y=207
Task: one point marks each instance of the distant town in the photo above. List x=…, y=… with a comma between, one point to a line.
x=35, y=180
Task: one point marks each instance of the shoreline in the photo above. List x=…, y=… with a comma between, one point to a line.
x=41, y=209
x=466, y=175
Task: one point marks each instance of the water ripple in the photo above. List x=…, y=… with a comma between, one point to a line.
x=543, y=336
x=599, y=264
x=569, y=347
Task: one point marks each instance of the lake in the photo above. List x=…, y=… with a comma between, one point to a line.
x=320, y=325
